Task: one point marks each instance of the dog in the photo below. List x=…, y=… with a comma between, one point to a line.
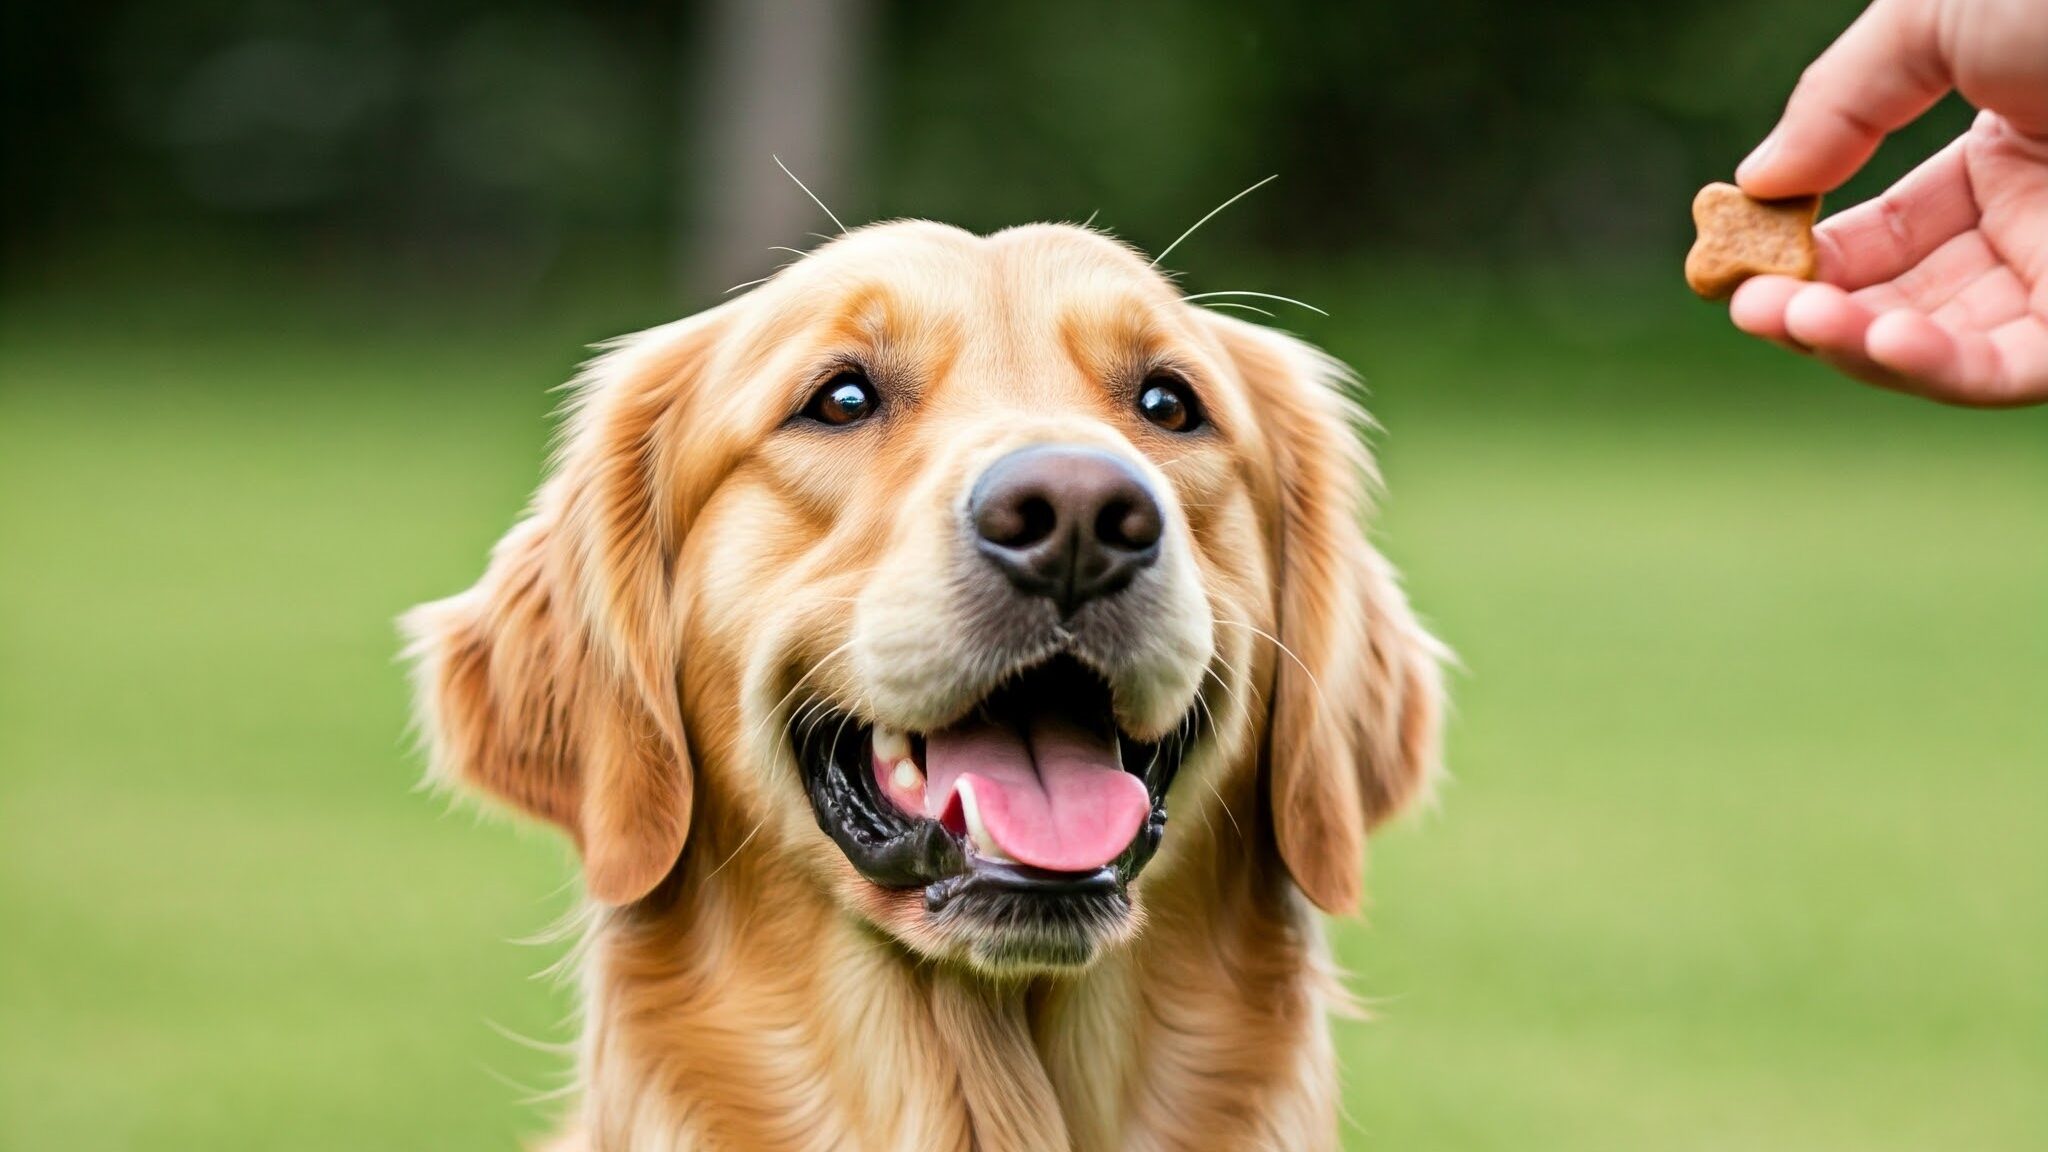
x=961, y=667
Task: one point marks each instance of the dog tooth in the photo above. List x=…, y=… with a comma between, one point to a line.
x=905, y=778
x=891, y=744
x=984, y=844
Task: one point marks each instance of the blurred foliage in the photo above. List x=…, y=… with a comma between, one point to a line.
x=499, y=134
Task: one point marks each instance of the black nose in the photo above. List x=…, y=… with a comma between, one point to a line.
x=1068, y=523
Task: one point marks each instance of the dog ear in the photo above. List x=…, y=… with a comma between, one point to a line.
x=551, y=685
x=1357, y=694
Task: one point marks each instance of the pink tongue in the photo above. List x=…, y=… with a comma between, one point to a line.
x=1052, y=797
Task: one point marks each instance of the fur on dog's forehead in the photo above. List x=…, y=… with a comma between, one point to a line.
x=1051, y=310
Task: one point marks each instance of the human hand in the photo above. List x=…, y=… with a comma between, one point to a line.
x=1938, y=287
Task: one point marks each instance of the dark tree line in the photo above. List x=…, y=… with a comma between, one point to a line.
x=1449, y=125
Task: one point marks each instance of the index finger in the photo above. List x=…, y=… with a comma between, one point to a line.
x=1878, y=76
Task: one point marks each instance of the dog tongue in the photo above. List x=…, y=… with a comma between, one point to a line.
x=1052, y=794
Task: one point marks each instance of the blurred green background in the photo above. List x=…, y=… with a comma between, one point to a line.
x=1747, y=845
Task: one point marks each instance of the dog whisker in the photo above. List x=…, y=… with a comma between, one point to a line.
x=1280, y=644
x=737, y=849
x=814, y=712
x=1259, y=295
x=1227, y=813
x=1206, y=710
x=807, y=191
x=1206, y=219
x=1210, y=674
x=1227, y=304
x=775, y=709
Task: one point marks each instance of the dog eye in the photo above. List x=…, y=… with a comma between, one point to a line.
x=843, y=399
x=1167, y=402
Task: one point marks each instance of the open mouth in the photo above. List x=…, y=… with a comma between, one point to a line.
x=1034, y=792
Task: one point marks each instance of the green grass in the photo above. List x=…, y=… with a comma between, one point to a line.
x=1747, y=846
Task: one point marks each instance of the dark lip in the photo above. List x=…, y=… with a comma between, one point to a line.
x=895, y=850
x=989, y=877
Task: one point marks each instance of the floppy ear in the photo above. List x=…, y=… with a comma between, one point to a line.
x=1357, y=698
x=551, y=684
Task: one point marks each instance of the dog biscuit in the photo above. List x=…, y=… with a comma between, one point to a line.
x=1740, y=237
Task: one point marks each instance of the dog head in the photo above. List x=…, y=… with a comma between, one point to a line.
x=941, y=568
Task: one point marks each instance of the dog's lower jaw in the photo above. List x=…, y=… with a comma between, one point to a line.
x=718, y=1018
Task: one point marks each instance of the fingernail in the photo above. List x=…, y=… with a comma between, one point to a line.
x=1758, y=158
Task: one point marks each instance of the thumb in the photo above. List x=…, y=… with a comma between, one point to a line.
x=1880, y=75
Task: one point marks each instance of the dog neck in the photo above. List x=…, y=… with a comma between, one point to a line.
x=720, y=1018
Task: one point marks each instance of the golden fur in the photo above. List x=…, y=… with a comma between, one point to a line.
x=697, y=570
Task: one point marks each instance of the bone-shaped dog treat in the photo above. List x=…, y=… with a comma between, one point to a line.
x=1741, y=237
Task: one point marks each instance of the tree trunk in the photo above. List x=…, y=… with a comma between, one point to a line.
x=774, y=78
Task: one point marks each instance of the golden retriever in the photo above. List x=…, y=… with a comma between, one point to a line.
x=961, y=667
